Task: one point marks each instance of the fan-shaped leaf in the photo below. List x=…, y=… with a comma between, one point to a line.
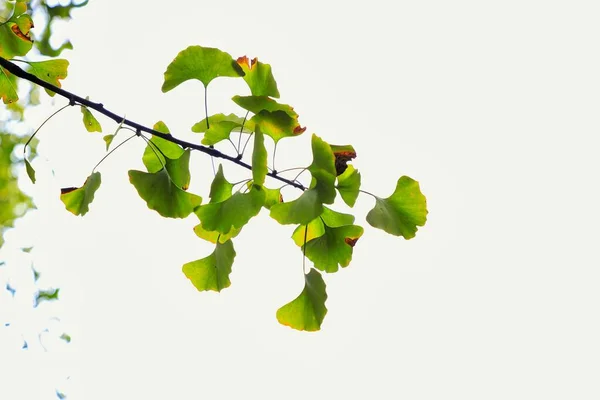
x=212, y=272
x=307, y=311
x=162, y=195
x=89, y=121
x=258, y=77
x=213, y=236
x=15, y=36
x=220, y=127
x=300, y=211
x=202, y=63
x=77, y=200
x=234, y=212
x=220, y=188
x=153, y=158
x=322, y=170
x=273, y=196
x=50, y=71
x=108, y=139
x=334, y=247
x=402, y=212
x=277, y=124
x=348, y=184
x=8, y=87
x=256, y=104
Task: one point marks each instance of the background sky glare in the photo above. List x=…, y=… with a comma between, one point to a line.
x=492, y=107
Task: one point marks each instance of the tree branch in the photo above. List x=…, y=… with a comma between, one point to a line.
x=99, y=107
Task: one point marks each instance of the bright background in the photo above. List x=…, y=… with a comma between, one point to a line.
x=492, y=107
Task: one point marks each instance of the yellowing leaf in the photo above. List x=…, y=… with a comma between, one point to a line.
x=50, y=71
x=307, y=311
x=8, y=87
x=89, y=121
x=258, y=77
x=77, y=200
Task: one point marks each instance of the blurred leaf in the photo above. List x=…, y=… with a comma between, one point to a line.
x=212, y=272
x=46, y=295
x=77, y=200
x=202, y=63
x=89, y=121
x=50, y=71
x=307, y=311
x=65, y=337
x=258, y=77
x=402, y=212
x=15, y=36
x=348, y=185
x=30, y=171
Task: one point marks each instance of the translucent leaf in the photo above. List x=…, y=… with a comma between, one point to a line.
x=342, y=154
x=273, y=196
x=322, y=170
x=277, y=124
x=307, y=311
x=220, y=127
x=30, y=171
x=15, y=36
x=77, y=200
x=153, y=158
x=46, y=295
x=256, y=104
x=162, y=195
x=65, y=337
x=212, y=272
x=8, y=87
x=234, y=212
x=402, y=212
x=313, y=229
x=300, y=211
x=213, y=236
x=220, y=188
x=89, y=121
x=259, y=159
x=202, y=63
x=50, y=71
x=334, y=247
x=258, y=77
x=348, y=185
x=108, y=139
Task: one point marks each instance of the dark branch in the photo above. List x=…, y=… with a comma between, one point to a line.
x=99, y=107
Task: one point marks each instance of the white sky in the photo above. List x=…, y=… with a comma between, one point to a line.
x=493, y=108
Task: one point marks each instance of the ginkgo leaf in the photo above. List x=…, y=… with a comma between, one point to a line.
x=256, y=104
x=77, y=200
x=46, y=295
x=277, y=124
x=220, y=188
x=213, y=236
x=259, y=77
x=342, y=154
x=201, y=63
x=162, y=195
x=50, y=71
x=234, y=212
x=259, y=158
x=108, y=139
x=273, y=196
x=15, y=36
x=89, y=121
x=402, y=212
x=300, y=211
x=8, y=87
x=155, y=151
x=348, y=185
x=334, y=247
x=322, y=170
x=30, y=171
x=305, y=233
x=212, y=272
x=307, y=311
x=220, y=127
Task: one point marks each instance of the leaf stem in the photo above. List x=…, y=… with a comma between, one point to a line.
x=369, y=193
x=40, y=127
x=274, y=151
x=241, y=130
x=113, y=150
x=206, y=107
x=304, y=250
x=246, y=144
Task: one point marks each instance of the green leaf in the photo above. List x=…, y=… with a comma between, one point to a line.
x=277, y=124
x=155, y=152
x=273, y=196
x=300, y=211
x=30, y=171
x=402, y=212
x=202, y=63
x=234, y=212
x=322, y=170
x=348, y=184
x=258, y=77
x=307, y=311
x=15, y=36
x=108, y=139
x=313, y=229
x=89, y=121
x=259, y=159
x=220, y=188
x=50, y=71
x=162, y=195
x=65, y=337
x=334, y=247
x=213, y=236
x=342, y=154
x=46, y=295
x=256, y=104
x=8, y=87
x=220, y=127
x=212, y=272
x=77, y=200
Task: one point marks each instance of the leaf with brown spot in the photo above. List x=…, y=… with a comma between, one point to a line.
x=343, y=154
x=258, y=77
x=77, y=200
